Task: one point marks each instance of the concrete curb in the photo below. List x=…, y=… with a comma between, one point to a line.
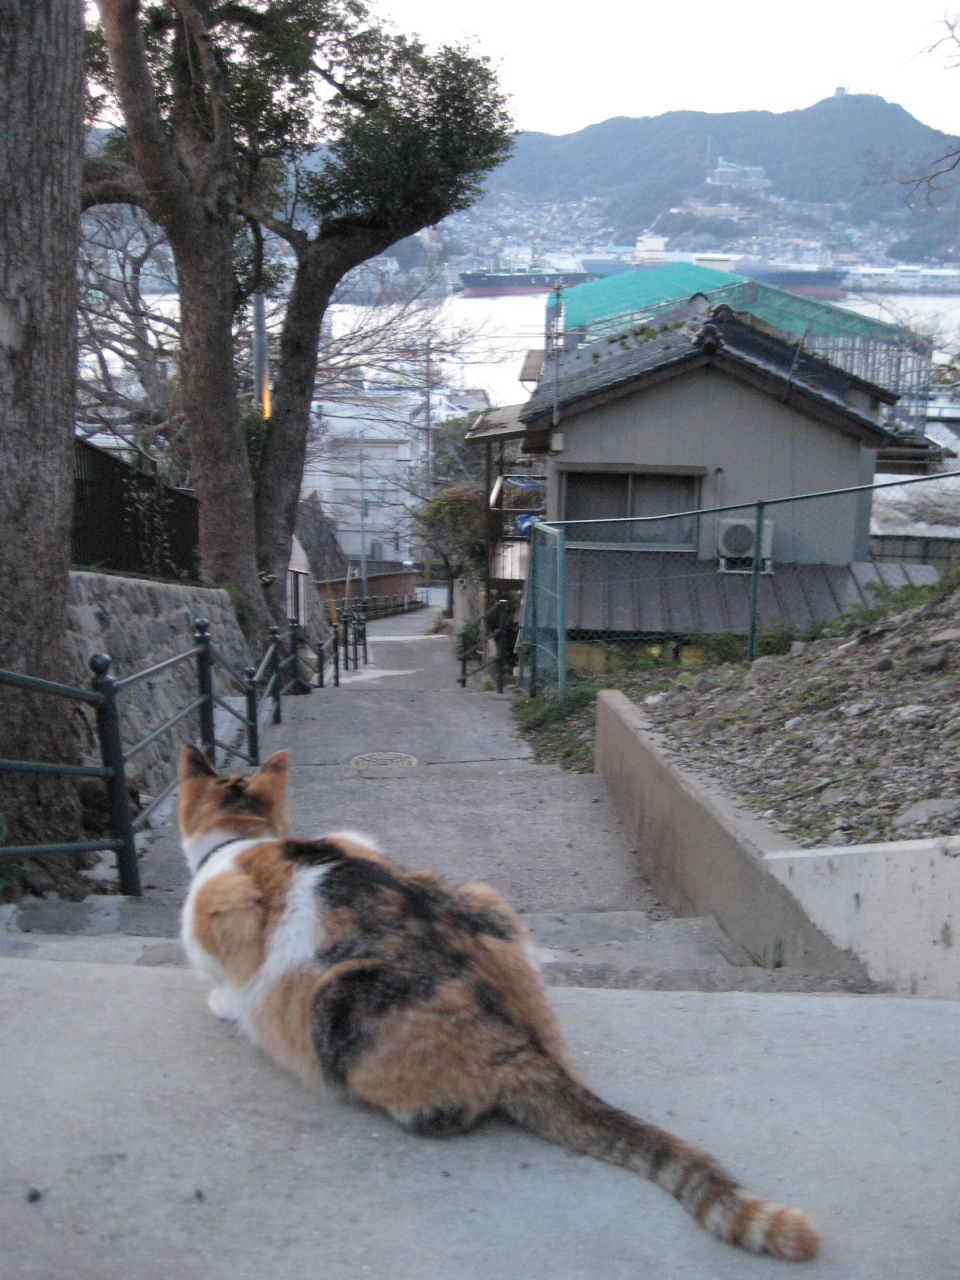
x=699, y=856
x=896, y=905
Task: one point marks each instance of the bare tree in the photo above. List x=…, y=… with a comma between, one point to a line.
x=41, y=105
x=129, y=337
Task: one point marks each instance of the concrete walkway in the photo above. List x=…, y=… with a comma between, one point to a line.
x=162, y=1145
x=142, y=1139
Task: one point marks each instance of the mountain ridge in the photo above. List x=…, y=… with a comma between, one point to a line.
x=842, y=149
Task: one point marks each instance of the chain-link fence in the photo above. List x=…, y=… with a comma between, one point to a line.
x=727, y=582
x=543, y=660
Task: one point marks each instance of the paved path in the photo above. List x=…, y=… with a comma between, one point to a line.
x=164, y=1146
x=141, y=1139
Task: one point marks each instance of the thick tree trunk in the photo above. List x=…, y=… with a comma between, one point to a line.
x=41, y=106
x=218, y=459
x=321, y=267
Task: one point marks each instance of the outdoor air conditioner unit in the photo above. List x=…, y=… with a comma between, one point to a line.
x=735, y=545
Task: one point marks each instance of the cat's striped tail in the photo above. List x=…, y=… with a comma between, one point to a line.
x=546, y=1100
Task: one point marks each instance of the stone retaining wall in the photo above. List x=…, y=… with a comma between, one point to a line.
x=139, y=623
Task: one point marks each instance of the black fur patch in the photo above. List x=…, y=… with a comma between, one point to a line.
x=198, y=766
x=399, y=939
x=313, y=853
x=236, y=798
x=440, y=1122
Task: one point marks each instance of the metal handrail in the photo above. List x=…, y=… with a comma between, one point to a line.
x=499, y=634
x=233, y=751
x=65, y=770
x=156, y=668
x=225, y=706
x=37, y=685
x=103, y=696
x=142, y=817
x=258, y=674
x=43, y=850
x=151, y=737
x=226, y=666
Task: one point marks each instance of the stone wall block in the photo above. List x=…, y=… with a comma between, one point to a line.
x=139, y=624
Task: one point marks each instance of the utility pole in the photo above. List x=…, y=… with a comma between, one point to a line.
x=363, y=526
x=429, y=428
x=261, y=369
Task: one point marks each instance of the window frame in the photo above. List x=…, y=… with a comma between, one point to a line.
x=634, y=471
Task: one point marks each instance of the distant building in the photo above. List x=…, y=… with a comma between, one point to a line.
x=739, y=177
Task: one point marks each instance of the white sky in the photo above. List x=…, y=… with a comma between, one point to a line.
x=567, y=65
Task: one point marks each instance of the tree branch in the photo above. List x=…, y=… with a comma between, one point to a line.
x=149, y=143
x=215, y=80
x=112, y=182
x=298, y=240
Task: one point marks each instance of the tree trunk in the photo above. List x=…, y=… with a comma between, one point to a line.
x=219, y=467
x=41, y=105
x=321, y=267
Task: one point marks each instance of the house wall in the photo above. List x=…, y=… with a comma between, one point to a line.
x=764, y=449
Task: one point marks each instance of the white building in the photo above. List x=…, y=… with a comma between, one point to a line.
x=386, y=424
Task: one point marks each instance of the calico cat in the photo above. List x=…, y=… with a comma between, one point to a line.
x=418, y=999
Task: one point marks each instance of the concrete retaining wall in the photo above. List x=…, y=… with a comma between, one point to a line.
x=895, y=905
x=139, y=623
x=700, y=856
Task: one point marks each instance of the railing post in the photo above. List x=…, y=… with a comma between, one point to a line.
x=335, y=649
x=253, y=728
x=345, y=628
x=111, y=752
x=321, y=660
x=276, y=673
x=356, y=629
x=293, y=631
x=501, y=642
x=754, y=632
x=205, y=689
x=363, y=624
x=562, y=614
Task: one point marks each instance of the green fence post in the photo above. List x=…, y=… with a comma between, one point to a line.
x=754, y=631
x=532, y=610
x=561, y=614
x=111, y=752
x=253, y=735
x=277, y=675
x=201, y=636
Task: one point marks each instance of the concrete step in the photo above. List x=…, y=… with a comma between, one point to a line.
x=637, y=950
x=149, y=1140
x=615, y=949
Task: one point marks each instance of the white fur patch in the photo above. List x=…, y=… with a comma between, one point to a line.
x=223, y=860
x=358, y=837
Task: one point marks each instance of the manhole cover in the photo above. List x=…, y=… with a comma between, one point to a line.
x=382, y=758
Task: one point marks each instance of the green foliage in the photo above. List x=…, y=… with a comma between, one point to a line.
x=255, y=431
x=776, y=639
x=338, y=125
x=453, y=524
x=412, y=140
x=453, y=459
x=540, y=711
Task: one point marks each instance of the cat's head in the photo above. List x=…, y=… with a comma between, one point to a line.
x=230, y=805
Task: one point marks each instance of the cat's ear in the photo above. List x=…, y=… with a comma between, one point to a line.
x=270, y=780
x=194, y=764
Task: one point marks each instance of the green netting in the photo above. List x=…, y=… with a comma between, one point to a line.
x=633, y=291
x=545, y=612
x=794, y=314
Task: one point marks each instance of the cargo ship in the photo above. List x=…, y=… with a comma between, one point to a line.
x=500, y=284
x=819, y=282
